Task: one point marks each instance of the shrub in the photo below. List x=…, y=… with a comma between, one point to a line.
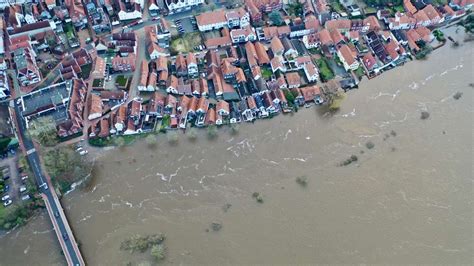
x=234, y=129
x=369, y=145
x=172, y=137
x=158, y=252
x=212, y=132
x=192, y=134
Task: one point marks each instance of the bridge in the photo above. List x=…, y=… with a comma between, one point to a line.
x=58, y=218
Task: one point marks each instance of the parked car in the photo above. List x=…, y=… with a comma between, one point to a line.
x=25, y=197
x=23, y=178
x=6, y=188
x=5, y=177
x=22, y=189
x=5, y=197
x=83, y=152
x=8, y=202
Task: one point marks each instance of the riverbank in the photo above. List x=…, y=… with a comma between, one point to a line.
x=405, y=200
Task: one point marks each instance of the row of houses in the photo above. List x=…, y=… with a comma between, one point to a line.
x=139, y=117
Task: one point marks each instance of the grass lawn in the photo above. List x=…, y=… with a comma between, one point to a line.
x=86, y=70
x=398, y=8
x=360, y=72
x=121, y=80
x=186, y=43
x=370, y=10
x=98, y=83
x=337, y=6
x=324, y=70
x=266, y=73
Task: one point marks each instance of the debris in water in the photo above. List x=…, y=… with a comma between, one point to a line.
x=216, y=226
x=302, y=180
x=350, y=160
x=424, y=115
x=457, y=95
x=257, y=197
x=226, y=207
x=393, y=133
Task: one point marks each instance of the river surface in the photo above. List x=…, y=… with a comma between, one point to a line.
x=407, y=200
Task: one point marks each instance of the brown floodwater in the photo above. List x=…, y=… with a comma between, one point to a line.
x=407, y=200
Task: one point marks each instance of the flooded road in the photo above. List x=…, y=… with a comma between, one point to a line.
x=406, y=200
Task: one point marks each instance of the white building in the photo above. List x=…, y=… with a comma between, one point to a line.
x=176, y=6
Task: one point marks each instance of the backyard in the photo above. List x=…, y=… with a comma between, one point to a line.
x=186, y=43
x=324, y=70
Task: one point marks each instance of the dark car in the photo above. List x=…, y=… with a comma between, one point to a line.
x=65, y=236
x=6, y=188
x=56, y=214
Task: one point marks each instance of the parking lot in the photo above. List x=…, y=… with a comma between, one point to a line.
x=14, y=186
x=186, y=25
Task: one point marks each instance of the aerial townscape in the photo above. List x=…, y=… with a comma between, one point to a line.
x=97, y=73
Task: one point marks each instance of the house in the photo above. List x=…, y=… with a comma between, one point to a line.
x=234, y=115
x=152, y=81
x=252, y=105
x=237, y=18
x=370, y=64
x=341, y=25
x=203, y=86
x=181, y=66
x=432, y=14
x=246, y=34
x=268, y=103
x=311, y=72
x=245, y=111
x=262, y=55
x=280, y=98
x=312, y=94
x=26, y=67
x=142, y=84
x=213, y=20
x=172, y=85
x=129, y=10
x=293, y=80
x=257, y=7
x=171, y=104
x=222, y=108
x=290, y=50
x=153, y=8
x=201, y=111
x=409, y=7
x=277, y=47
x=418, y=34
x=347, y=57
x=462, y=4
x=50, y=4
x=277, y=64
x=210, y=117
x=401, y=21
x=124, y=64
x=155, y=51
x=252, y=60
x=311, y=41
x=192, y=65
x=218, y=42
x=176, y=6
x=95, y=106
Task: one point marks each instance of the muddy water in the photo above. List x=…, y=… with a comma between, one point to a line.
x=407, y=200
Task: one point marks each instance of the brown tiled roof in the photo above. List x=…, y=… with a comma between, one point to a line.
x=95, y=105
x=240, y=76
x=310, y=92
x=293, y=79
x=276, y=45
x=251, y=102
x=337, y=36
x=372, y=22
x=369, y=61
x=203, y=105
x=312, y=23
x=180, y=62
x=162, y=63
x=203, y=85
x=191, y=58
x=431, y=12
x=211, y=116
x=172, y=81
x=213, y=17
x=104, y=128
x=222, y=105
x=325, y=37
x=262, y=55
x=163, y=76
x=338, y=24
x=144, y=73
x=347, y=54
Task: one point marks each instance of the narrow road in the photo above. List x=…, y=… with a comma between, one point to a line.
x=56, y=213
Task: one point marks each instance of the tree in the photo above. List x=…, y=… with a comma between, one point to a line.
x=192, y=134
x=276, y=18
x=151, y=140
x=119, y=141
x=43, y=130
x=66, y=165
x=212, y=132
x=158, y=252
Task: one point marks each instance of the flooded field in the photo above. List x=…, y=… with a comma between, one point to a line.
x=407, y=199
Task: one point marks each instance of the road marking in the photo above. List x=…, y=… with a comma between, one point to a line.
x=30, y=151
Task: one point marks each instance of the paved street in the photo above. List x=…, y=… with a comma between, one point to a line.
x=63, y=231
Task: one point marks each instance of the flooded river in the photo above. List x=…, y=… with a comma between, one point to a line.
x=407, y=200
